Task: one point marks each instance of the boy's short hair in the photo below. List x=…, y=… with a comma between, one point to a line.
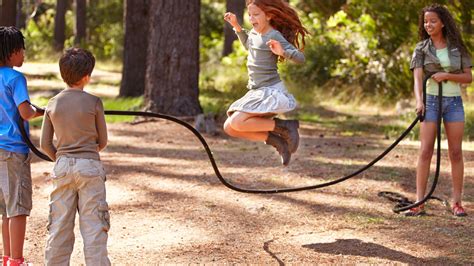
x=11, y=40
x=75, y=64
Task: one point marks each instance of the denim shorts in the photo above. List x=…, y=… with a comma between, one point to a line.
x=453, y=109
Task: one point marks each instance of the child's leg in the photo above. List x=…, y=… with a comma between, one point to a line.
x=248, y=126
x=455, y=132
x=17, y=229
x=6, y=235
x=93, y=211
x=16, y=200
x=255, y=136
x=427, y=138
x=62, y=212
x=249, y=122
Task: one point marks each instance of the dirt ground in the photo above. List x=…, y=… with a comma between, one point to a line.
x=167, y=206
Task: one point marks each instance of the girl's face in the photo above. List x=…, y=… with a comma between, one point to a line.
x=259, y=20
x=433, y=24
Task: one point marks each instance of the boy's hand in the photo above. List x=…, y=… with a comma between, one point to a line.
x=276, y=47
x=232, y=19
x=39, y=110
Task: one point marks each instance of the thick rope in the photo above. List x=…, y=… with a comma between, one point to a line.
x=274, y=190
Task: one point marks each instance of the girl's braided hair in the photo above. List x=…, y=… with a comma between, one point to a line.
x=11, y=40
x=284, y=19
x=450, y=30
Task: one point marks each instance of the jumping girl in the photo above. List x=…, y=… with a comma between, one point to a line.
x=275, y=36
x=441, y=51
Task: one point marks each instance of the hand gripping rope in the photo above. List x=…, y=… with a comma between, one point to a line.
x=275, y=190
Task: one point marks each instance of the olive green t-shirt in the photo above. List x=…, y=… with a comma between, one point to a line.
x=77, y=119
x=450, y=88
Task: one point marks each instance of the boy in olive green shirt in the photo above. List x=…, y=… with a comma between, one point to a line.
x=77, y=119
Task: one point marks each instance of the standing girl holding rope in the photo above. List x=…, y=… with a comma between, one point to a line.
x=440, y=51
x=275, y=36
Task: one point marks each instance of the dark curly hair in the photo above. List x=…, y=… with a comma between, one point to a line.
x=11, y=41
x=450, y=30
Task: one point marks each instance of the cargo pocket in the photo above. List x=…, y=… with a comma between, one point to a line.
x=25, y=194
x=89, y=168
x=104, y=215
x=60, y=168
x=5, y=155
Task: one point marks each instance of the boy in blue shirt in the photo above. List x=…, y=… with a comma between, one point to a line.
x=15, y=174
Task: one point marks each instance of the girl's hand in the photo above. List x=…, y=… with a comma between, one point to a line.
x=276, y=47
x=232, y=19
x=440, y=76
x=420, y=108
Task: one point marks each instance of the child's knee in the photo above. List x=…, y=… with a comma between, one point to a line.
x=236, y=122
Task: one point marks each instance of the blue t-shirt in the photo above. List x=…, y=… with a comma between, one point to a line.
x=13, y=92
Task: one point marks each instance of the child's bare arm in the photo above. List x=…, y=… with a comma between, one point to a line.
x=27, y=111
x=232, y=20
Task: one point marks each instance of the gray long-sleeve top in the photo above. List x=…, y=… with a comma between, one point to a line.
x=261, y=61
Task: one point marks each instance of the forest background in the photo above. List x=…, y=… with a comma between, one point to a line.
x=358, y=51
x=355, y=95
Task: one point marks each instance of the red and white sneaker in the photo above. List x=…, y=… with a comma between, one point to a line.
x=18, y=262
x=5, y=260
x=458, y=210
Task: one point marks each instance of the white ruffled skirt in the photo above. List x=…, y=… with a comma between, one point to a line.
x=274, y=99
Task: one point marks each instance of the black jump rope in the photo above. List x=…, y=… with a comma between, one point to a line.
x=403, y=203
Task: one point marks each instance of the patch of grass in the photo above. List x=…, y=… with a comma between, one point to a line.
x=120, y=104
x=211, y=103
x=309, y=117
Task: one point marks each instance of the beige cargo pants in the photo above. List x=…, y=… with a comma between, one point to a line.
x=78, y=184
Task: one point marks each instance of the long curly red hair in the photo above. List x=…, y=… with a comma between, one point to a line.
x=284, y=19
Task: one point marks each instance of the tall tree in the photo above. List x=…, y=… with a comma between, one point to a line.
x=8, y=12
x=237, y=7
x=172, y=74
x=60, y=24
x=80, y=33
x=135, y=43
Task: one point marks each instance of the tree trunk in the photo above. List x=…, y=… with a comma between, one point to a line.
x=237, y=7
x=60, y=25
x=135, y=47
x=80, y=34
x=8, y=13
x=172, y=74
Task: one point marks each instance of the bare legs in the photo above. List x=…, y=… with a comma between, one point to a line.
x=249, y=126
x=13, y=232
x=427, y=137
x=454, y=133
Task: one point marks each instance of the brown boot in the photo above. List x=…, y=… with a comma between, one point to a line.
x=281, y=146
x=288, y=130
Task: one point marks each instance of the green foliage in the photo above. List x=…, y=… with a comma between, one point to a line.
x=122, y=104
x=105, y=29
x=469, y=126
x=39, y=35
